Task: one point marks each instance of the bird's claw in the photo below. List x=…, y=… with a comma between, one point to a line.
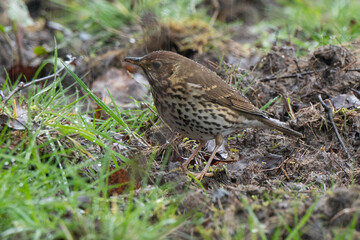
x=199, y=176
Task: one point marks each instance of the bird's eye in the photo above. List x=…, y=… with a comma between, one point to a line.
x=156, y=65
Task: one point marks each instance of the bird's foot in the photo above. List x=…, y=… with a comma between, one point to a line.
x=200, y=175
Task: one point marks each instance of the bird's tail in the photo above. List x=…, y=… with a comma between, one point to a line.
x=273, y=123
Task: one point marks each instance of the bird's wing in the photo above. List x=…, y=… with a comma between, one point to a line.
x=217, y=91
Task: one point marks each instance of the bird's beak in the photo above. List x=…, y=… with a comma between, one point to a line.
x=134, y=60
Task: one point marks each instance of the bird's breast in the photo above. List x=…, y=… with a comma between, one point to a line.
x=188, y=112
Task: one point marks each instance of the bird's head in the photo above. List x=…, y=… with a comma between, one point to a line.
x=158, y=66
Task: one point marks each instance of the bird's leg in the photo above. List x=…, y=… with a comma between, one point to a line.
x=218, y=141
x=185, y=164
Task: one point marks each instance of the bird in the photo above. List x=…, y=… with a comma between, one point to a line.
x=195, y=102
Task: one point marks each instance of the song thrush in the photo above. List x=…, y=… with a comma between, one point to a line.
x=197, y=103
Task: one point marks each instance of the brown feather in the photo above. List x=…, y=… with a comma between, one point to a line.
x=217, y=91
x=213, y=88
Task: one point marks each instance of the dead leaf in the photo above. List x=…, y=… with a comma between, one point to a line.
x=348, y=101
x=20, y=118
x=122, y=178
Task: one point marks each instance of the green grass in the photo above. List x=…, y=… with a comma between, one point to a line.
x=48, y=167
x=305, y=24
x=308, y=24
x=104, y=20
x=54, y=181
x=96, y=15
x=39, y=205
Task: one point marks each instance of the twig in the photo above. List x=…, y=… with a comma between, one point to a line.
x=357, y=93
x=294, y=75
x=266, y=79
x=285, y=173
x=58, y=27
x=19, y=43
x=349, y=65
x=345, y=211
x=22, y=85
x=297, y=65
x=329, y=113
x=352, y=70
x=216, y=5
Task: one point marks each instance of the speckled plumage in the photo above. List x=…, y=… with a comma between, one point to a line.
x=197, y=103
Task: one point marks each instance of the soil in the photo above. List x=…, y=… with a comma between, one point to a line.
x=266, y=163
x=259, y=164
